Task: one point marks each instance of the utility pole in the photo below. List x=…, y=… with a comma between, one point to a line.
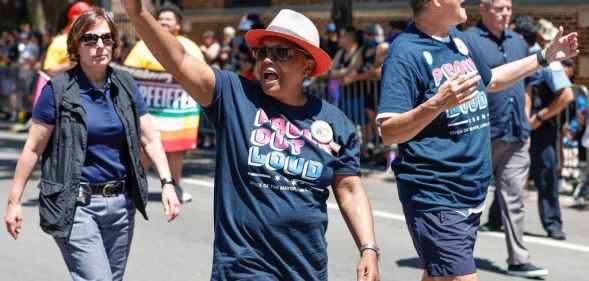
x=341, y=13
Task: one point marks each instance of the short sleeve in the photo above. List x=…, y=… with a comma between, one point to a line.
x=398, y=87
x=348, y=163
x=222, y=84
x=555, y=77
x=139, y=101
x=44, y=110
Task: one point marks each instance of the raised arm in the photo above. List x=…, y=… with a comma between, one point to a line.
x=562, y=47
x=195, y=76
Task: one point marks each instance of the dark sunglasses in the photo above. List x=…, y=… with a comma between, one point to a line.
x=91, y=39
x=277, y=53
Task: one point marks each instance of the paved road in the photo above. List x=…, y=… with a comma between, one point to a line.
x=182, y=250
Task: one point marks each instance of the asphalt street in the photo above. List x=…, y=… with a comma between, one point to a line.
x=182, y=250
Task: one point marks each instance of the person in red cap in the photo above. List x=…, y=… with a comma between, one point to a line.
x=56, y=60
x=278, y=152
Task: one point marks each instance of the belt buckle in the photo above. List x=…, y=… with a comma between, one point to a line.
x=108, y=190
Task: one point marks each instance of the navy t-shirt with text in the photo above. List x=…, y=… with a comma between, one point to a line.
x=448, y=164
x=274, y=166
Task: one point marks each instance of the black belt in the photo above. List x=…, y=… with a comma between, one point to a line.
x=106, y=189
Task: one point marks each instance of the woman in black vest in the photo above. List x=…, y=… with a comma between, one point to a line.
x=88, y=125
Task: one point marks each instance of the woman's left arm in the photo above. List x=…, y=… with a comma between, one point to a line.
x=155, y=151
x=357, y=212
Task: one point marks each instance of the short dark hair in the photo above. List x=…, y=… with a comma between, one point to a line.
x=170, y=7
x=417, y=6
x=82, y=24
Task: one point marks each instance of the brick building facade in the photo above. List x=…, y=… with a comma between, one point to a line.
x=201, y=15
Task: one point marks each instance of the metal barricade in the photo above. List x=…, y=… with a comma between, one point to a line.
x=359, y=102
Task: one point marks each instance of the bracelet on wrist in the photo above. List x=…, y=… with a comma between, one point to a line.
x=371, y=247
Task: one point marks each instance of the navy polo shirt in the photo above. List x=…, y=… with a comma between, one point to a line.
x=507, y=107
x=107, y=155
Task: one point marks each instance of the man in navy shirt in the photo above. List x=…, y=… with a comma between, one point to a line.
x=436, y=108
x=509, y=130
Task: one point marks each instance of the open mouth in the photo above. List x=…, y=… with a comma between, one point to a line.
x=270, y=75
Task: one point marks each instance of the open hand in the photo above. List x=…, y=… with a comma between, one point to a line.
x=562, y=47
x=457, y=90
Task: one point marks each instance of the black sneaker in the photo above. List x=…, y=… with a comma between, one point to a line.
x=557, y=234
x=490, y=227
x=526, y=270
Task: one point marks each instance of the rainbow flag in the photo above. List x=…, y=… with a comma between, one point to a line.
x=174, y=113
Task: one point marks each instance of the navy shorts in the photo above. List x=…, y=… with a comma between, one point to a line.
x=444, y=240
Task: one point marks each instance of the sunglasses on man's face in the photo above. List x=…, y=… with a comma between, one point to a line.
x=91, y=39
x=276, y=53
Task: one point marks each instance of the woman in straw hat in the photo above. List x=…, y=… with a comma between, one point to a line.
x=278, y=151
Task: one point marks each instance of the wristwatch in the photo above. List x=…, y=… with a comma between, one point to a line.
x=165, y=181
x=372, y=247
x=541, y=58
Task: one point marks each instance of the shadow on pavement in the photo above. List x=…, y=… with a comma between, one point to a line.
x=154, y=196
x=31, y=203
x=482, y=264
x=535, y=234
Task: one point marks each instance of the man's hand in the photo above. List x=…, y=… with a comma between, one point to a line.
x=133, y=7
x=457, y=90
x=170, y=202
x=13, y=219
x=535, y=123
x=562, y=47
x=368, y=267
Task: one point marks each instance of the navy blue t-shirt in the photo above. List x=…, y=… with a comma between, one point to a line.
x=509, y=121
x=448, y=164
x=274, y=166
x=107, y=154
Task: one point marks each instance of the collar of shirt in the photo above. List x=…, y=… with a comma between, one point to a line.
x=87, y=87
x=486, y=32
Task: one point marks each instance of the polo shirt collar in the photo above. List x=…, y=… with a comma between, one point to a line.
x=86, y=86
x=485, y=31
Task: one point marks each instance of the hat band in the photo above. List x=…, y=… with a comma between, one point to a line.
x=281, y=29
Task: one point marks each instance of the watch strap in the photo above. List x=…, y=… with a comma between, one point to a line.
x=165, y=181
x=541, y=58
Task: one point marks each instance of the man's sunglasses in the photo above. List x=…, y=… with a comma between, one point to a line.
x=278, y=53
x=91, y=39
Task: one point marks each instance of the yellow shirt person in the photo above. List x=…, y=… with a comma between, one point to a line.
x=141, y=57
x=56, y=53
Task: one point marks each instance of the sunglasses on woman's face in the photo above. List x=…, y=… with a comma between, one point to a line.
x=91, y=39
x=277, y=53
